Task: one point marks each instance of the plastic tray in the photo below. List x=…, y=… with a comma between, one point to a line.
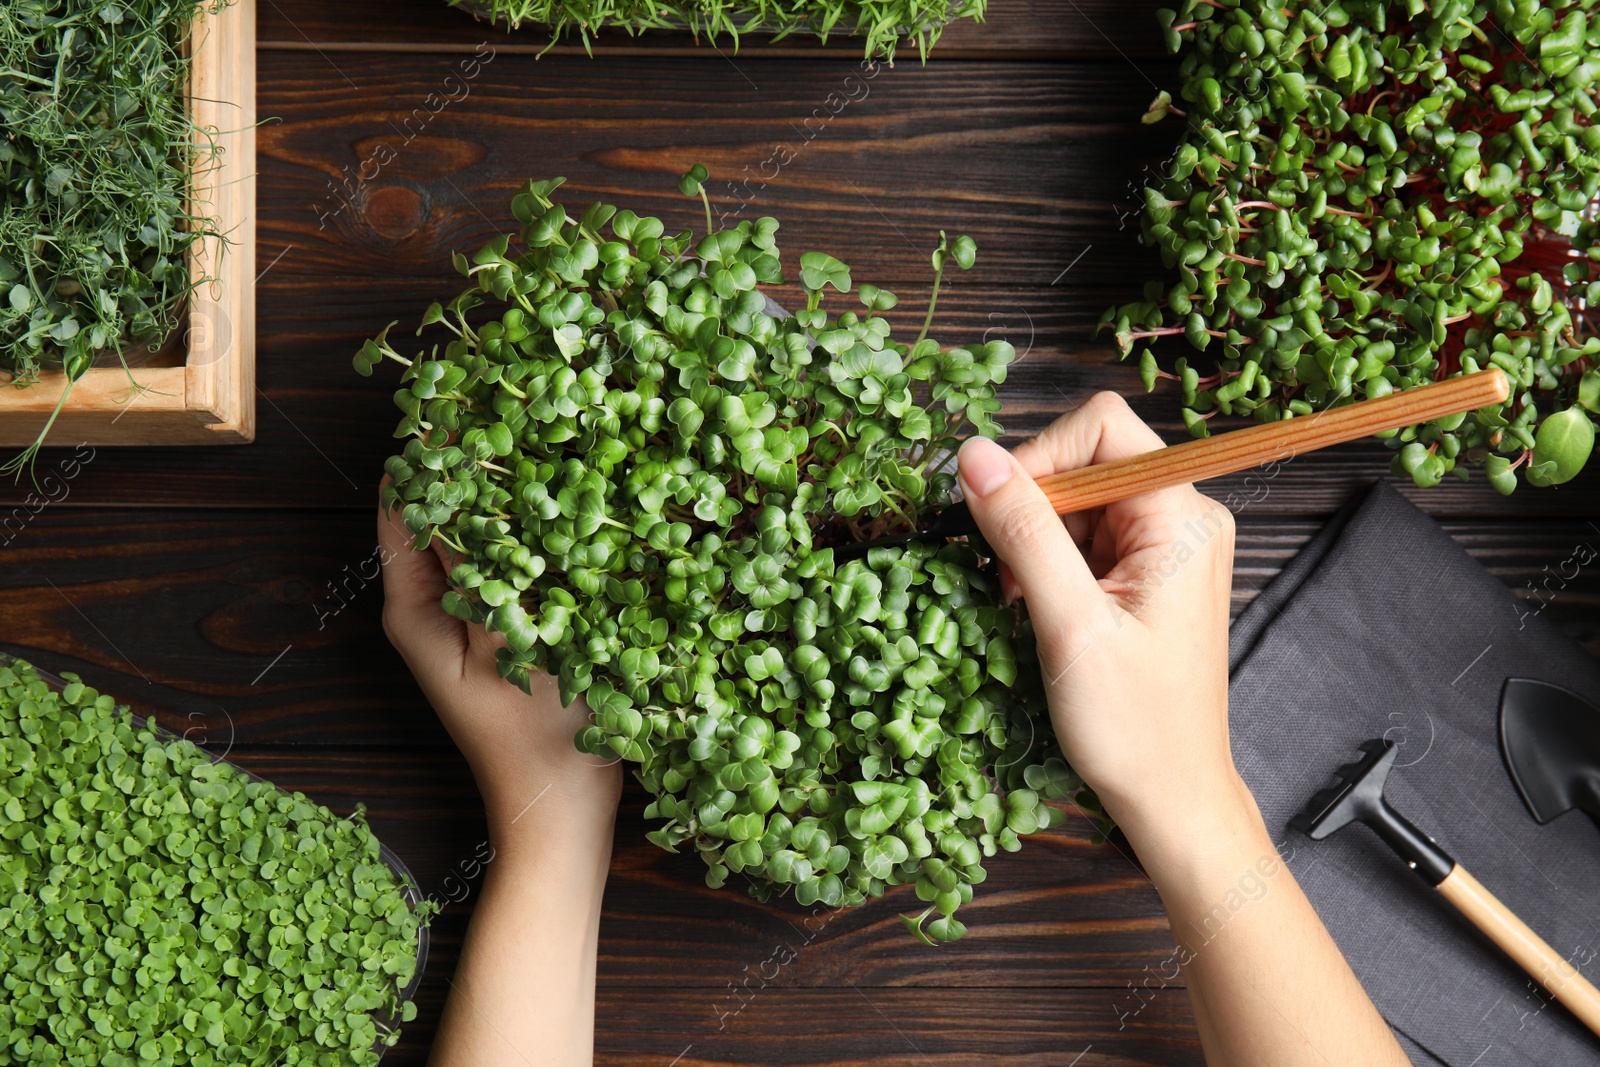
x=408, y=883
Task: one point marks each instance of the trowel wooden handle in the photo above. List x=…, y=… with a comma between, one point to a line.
x=1237, y=450
x=1543, y=964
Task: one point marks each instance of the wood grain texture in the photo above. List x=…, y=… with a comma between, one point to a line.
x=220, y=372
x=902, y=1028
x=324, y=432
x=1530, y=951
x=211, y=398
x=1060, y=29
x=1031, y=159
x=267, y=621
x=1267, y=444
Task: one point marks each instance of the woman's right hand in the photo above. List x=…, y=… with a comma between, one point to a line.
x=1130, y=611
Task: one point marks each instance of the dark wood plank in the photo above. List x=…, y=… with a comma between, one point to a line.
x=904, y=1028
x=782, y=1027
x=324, y=432
x=229, y=624
x=1013, y=28
x=1028, y=158
x=266, y=624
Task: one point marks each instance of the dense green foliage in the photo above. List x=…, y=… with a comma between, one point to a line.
x=159, y=907
x=1375, y=194
x=883, y=23
x=642, y=465
x=94, y=163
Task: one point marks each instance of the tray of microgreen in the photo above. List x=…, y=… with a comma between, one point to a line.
x=219, y=940
x=127, y=222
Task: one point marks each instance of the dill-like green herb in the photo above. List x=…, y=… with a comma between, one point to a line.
x=884, y=23
x=95, y=152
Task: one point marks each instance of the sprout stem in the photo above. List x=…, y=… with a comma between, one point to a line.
x=1168, y=331
x=933, y=300
x=706, y=200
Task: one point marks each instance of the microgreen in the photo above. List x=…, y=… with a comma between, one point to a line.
x=159, y=907
x=1370, y=196
x=95, y=228
x=883, y=24
x=642, y=468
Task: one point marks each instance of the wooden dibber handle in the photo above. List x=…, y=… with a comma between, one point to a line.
x=1237, y=450
x=1527, y=948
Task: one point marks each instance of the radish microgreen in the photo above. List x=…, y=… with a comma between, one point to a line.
x=1370, y=196
x=642, y=467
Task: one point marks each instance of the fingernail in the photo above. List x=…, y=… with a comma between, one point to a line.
x=984, y=466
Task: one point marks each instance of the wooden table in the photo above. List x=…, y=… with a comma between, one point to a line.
x=223, y=590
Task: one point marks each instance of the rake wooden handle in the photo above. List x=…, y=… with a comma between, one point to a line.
x=1527, y=948
x=1237, y=450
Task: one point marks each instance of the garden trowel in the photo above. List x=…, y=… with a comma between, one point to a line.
x=1550, y=737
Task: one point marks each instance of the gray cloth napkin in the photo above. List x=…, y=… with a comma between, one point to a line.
x=1383, y=626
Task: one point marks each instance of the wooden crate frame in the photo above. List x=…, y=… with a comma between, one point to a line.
x=211, y=398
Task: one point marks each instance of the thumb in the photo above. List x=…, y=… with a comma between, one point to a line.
x=413, y=584
x=1025, y=531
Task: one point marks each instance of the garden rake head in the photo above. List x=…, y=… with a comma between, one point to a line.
x=1358, y=797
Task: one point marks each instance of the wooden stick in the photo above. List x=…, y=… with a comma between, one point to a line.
x=1237, y=450
x=1527, y=948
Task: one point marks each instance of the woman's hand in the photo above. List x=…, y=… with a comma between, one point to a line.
x=1130, y=608
x=1130, y=611
x=524, y=990
x=520, y=746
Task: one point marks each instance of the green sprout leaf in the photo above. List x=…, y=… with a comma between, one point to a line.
x=882, y=26
x=1561, y=447
x=818, y=270
x=691, y=182
x=97, y=217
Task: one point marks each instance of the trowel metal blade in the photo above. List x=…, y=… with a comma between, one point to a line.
x=1550, y=738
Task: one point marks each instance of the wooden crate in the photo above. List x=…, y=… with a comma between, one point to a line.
x=210, y=397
